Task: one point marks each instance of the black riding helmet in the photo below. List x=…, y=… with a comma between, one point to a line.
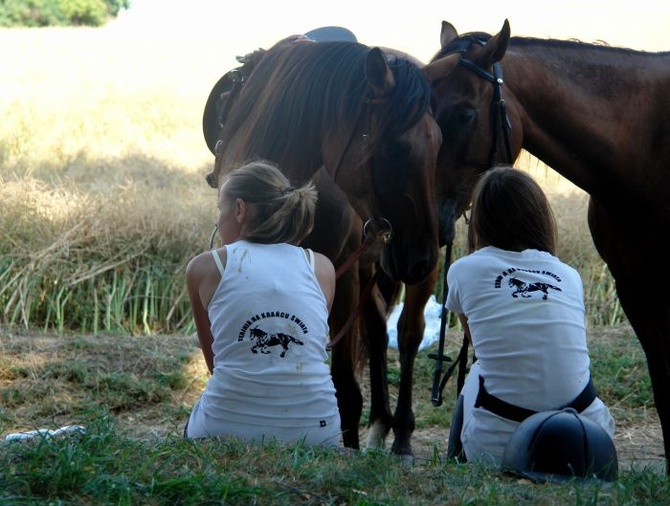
x=559, y=446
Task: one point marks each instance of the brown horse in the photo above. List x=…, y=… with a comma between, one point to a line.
x=598, y=115
x=356, y=120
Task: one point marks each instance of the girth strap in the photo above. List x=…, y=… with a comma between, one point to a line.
x=518, y=414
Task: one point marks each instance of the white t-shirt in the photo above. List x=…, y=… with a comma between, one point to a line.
x=269, y=320
x=526, y=316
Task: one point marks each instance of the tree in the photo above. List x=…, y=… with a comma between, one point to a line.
x=36, y=13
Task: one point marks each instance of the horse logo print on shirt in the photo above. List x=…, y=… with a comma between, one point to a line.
x=264, y=340
x=525, y=289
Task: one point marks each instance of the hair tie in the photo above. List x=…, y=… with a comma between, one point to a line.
x=287, y=190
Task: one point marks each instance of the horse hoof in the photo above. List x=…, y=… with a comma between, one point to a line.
x=376, y=436
x=407, y=460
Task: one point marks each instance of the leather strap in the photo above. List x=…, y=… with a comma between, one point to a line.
x=518, y=414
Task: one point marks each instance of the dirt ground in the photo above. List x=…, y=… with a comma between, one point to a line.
x=639, y=446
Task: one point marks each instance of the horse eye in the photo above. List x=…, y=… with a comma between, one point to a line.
x=465, y=116
x=456, y=122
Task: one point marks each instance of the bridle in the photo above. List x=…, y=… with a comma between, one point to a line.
x=374, y=231
x=499, y=120
x=499, y=116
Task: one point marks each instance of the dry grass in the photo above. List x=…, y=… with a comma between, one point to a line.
x=102, y=165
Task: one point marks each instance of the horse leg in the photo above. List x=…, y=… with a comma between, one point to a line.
x=411, y=326
x=375, y=337
x=343, y=358
x=632, y=245
x=652, y=327
x=337, y=234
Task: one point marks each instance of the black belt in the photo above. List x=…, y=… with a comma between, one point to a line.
x=518, y=414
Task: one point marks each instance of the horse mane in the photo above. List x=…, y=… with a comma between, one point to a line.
x=577, y=44
x=409, y=99
x=299, y=92
x=463, y=42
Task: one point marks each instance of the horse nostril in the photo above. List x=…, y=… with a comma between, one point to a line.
x=211, y=179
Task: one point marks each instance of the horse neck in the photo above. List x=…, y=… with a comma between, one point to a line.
x=577, y=104
x=300, y=131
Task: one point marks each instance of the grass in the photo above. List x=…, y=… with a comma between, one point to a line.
x=175, y=471
x=133, y=395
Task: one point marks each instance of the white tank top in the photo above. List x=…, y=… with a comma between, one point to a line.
x=269, y=321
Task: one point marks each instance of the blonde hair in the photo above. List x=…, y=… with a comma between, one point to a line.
x=511, y=211
x=283, y=213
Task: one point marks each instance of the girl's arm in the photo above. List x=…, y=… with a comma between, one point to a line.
x=466, y=328
x=202, y=278
x=325, y=275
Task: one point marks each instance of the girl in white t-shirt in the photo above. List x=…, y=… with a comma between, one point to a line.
x=523, y=311
x=261, y=307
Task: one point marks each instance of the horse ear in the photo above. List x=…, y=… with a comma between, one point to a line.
x=495, y=48
x=439, y=69
x=447, y=34
x=377, y=71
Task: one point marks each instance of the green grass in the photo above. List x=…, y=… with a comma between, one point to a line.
x=133, y=394
x=106, y=466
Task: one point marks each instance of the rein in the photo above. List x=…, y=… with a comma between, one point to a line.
x=382, y=234
x=439, y=381
x=499, y=119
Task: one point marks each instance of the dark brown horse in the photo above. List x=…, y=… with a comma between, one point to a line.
x=598, y=115
x=356, y=120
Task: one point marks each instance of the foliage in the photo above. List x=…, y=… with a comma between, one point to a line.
x=40, y=13
x=102, y=467
x=83, y=262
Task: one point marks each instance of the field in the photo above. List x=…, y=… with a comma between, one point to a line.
x=103, y=201
x=133, y=395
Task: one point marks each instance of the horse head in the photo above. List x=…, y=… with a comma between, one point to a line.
x=388, y=167
x=470, y=108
